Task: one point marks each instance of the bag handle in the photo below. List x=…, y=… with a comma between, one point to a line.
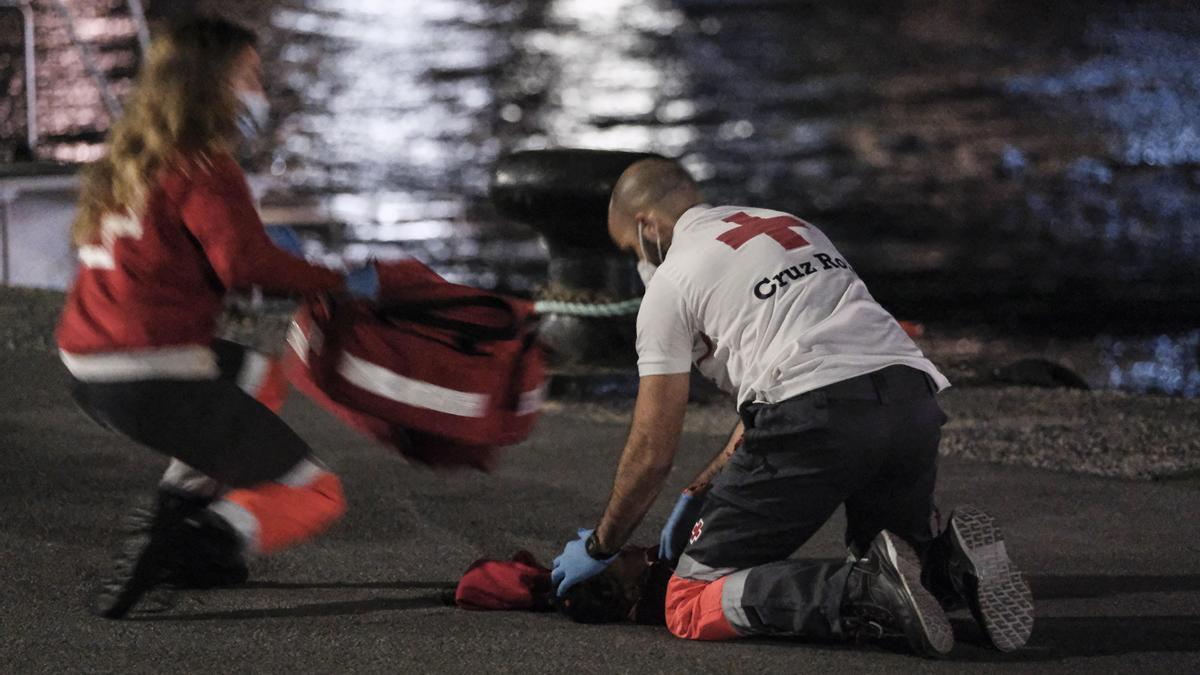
x=426, y=312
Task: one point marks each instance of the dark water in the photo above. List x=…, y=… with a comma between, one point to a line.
x=1032, y=166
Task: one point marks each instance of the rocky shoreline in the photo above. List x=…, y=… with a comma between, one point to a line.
x=1105, y=433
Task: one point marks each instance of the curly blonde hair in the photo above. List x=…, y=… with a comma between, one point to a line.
x=182, y=106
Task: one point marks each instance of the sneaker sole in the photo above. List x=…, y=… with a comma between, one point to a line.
x=999, y=597
x=936, y=637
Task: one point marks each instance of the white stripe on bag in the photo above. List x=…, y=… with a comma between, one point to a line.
x=390, y=385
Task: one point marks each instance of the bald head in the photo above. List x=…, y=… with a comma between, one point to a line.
x=654, y=192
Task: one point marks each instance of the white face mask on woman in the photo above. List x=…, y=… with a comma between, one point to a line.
x=645, y=268
x=254, y=111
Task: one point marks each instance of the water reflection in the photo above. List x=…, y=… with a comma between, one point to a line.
x=1016, y=152
x=1167, y=364
x=387, y=94
x=1143, y=83
x=605, y=78
x=396, y=111
x=993, y=133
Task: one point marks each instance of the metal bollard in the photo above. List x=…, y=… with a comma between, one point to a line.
x=589, y=304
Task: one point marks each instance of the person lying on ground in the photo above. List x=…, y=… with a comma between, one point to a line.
x=632, y=588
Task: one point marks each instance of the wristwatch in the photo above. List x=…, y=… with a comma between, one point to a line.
x=592, y=546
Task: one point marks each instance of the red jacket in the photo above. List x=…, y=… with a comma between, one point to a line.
x=153, y=288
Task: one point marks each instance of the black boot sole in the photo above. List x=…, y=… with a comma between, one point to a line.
x=930, y=633
x=995, y=591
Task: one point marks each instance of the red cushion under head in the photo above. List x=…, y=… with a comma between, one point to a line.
x=520, y=583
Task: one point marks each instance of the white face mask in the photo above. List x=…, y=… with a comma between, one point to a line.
x=645, y=268
x=254, y=111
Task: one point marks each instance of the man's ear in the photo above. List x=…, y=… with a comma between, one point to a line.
x=651, y=225
x=663, y=227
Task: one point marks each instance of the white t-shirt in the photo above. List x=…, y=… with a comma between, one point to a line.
x=766, y=307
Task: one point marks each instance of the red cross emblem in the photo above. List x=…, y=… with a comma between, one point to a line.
x=696, y=530
x=778, y=228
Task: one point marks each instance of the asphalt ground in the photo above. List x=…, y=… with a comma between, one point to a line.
x=1113, y=563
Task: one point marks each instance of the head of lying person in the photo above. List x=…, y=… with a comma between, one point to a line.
x=632, y=588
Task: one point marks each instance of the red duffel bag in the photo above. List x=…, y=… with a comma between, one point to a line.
x=446, y=365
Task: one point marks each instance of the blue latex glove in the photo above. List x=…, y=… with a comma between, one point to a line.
x=574, y=565
x=678, y=530
x=363, y=283
x=286, y=239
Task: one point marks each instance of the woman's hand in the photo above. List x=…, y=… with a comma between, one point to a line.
x=363, y=282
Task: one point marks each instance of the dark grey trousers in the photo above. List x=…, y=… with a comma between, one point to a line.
x=213, y=426
x=869, y=443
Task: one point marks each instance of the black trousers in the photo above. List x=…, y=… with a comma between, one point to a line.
x=211, y=425
x=869, y=443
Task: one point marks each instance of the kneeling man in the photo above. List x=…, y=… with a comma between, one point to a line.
x=838, y=407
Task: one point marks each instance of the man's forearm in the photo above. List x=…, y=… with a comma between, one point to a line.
x=703, y=481
x=647, y=458
x=640, y=478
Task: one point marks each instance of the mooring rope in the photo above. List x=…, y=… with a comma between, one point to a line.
x=588, y=309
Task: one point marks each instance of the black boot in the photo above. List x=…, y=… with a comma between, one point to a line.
x=209, y=553
x=968, y=566
x=884, y=598
x=220, y=564
x=176, y=544
x=141, y=563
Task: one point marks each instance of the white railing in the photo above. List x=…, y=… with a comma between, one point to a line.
x=89, y=61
